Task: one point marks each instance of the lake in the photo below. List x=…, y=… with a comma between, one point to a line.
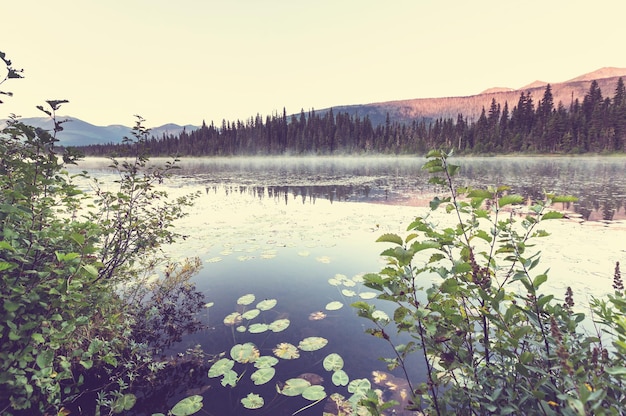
x=302, y=231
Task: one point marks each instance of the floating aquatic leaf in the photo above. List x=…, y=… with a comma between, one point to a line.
x=214, y=260
x=312, y=343
x=187, y=406
x=334, y=282
x=303, y=253
x=241, y=328
x=341, y=277
x=349, y=283
x=317, y=316
x=380, y=316
x=245, y=258
x=333, y=306
x=340, y=378
x=251, y=314
x=367, y=295
x=333, y=362
x=226, y=252
x=208, y=305
x=295, y=387
x=359, y=387
x=258, y=328
x=268, y=255
x=358, y=278
x=232, y=319
x=246, y=299
x=252, y=401
x=244, y=353
x=230, y=379
x=266, y=361
x=323, y=259
x=279, y=325
x=220, y=367
x=286, y=351
x=266, y=304
x=348, y=292
x=262, y=375
x=314, y=393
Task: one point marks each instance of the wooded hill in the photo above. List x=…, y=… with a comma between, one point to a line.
x=531, y=125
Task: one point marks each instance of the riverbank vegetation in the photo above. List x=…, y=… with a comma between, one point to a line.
x=532, y=125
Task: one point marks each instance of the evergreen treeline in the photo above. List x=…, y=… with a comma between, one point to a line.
x=598, y=124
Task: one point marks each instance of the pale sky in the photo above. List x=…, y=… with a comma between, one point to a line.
x=186, y=61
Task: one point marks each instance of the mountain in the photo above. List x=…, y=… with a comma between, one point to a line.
x=471, y=106
x=77, y=132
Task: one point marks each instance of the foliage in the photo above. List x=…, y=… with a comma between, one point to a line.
x=469, y=293
x=72, y=329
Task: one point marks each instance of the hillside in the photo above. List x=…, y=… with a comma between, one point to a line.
x=471, y=106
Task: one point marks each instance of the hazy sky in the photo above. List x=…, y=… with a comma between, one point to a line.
x=186, y=61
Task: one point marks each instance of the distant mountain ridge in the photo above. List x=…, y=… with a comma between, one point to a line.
x=471, y=106
x=78, y=132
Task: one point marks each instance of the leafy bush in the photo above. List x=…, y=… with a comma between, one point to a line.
x=75, y=312
x=470, y=295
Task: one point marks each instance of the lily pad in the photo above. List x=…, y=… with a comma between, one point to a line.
x=187, y=406
x=359, y=387
x=333, y=362
x=258, y=328
x=262, y=375
x=266, y=361
x=314, y=393
x=349, y=283
x=333, y=281
x=266, y=304
x=317, y=316
x=335, y=305
x=252, y=401
x=251, y=314
x=312, y=343
x=232, y=319
x=340, y=378
x=367, y=295
x=220, y=367
x=242, y=328
x=286, y=351
x=349, y=293
x=279, y=325
x=245, y=353
x=230, y=378
x=246, y=299
x=295, y=387
x=208, y=305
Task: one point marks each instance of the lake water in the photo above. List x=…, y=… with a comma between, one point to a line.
x=281, y=228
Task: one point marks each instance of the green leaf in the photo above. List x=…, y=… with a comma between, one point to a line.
x=266, y=304
x=390, y=238
x=510, y=199
x=312, y=343
x=539, y=280
x=340, y=378
x=564, y=198
x=616, y=371
x=38, y=338
x=252, y=401
x=258, y=328
x=251, y=314
x=286, y=351
x=314, y=393
x=230, y=379
x=124, y=403
x=295, y=387
x=480, y=193
x=10, y=306
x=187, y=406
x=552, y=215
x=266, y=361
x=263, y=375
x=90, y=269
x=246, y=299
x=45, y=358
x=333, y=362
x=220, y=367
x=279, y=325
x=244, y=353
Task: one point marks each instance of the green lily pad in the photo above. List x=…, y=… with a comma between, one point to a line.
x=333, y=306
x=334, y=281
x=241, y=328
x=244, y=353
x=314, y=393
x=295, y=387
x=252, y=401
x=208, y=305
x=232, y=319
x=258, y=328
x=266, y=304
x=359, y=387
x=286, y=351
x=349, y=283
x=220, y=367
x=230, y=378
x=333, y=362
x=251, y=314
x=340, y=378
x=187, y=406
x=349, y=293
x=246, y=299
x=266, y=361
x=367, y=295
x=312, y=343
x=279, y=325
x=262, y=375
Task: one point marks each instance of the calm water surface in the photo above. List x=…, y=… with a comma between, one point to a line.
x=281, y=228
